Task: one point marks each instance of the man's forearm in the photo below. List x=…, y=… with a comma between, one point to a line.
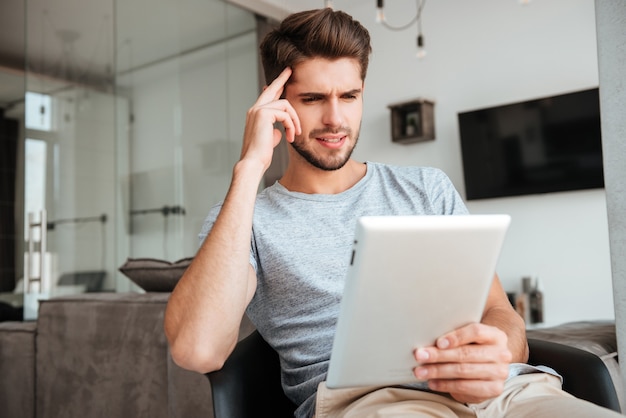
x=204, y=311
x=500, y=314
x=512, y=324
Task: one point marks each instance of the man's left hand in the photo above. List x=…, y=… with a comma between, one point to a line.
x=471, y=363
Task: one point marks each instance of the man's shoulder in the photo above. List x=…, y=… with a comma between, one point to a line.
x=270, y=192
x=411, y=171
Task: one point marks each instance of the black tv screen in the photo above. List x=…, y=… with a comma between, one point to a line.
x=544, y=145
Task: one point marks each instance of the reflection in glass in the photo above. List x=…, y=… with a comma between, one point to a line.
x=38, y=111
x=139, y=122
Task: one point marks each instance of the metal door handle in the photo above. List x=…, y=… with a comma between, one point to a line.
x=29, y=277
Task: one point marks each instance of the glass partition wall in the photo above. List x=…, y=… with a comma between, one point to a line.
x=133, y=120
x=188, y=69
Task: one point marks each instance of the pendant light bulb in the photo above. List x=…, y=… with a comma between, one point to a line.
x=421, y=52
x=380, y=15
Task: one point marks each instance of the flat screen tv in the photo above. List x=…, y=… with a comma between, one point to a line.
x=545, y=145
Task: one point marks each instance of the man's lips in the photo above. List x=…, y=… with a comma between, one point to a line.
x=330, y=134
x=334, y=139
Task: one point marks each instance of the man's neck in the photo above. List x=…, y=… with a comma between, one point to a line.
x=312, y=180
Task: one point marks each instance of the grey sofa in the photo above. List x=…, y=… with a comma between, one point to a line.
x=97, y=355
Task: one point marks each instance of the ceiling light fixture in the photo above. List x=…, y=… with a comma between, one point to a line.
x=380, y=18
x=421, y=52
x=380, y=15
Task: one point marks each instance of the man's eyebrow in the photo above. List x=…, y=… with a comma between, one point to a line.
x=316, y=94
x=353, y=92
x=311, y=94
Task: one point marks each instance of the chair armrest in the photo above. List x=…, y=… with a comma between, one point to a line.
x=249, y=383
x=584, y=374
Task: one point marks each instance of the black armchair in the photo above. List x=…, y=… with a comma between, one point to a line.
x=249, y=383
x=584, y=374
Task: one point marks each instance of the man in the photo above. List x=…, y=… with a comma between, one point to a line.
x=281, y=255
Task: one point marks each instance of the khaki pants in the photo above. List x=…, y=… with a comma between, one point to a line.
x=531, y=395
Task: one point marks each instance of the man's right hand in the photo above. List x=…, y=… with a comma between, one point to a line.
x=260, y=135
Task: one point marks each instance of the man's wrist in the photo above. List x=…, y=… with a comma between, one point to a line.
x=249, y=169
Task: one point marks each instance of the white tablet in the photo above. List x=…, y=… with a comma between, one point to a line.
x=411, y=279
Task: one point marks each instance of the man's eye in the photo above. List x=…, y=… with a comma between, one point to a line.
x=310, y=99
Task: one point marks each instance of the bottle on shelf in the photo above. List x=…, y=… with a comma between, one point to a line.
x=536, y=302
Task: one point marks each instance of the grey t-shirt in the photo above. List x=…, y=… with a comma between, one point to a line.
x=300, y=249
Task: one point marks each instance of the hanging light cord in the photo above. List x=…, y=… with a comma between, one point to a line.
x=417, y=18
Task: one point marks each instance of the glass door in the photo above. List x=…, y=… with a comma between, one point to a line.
x=70, y=147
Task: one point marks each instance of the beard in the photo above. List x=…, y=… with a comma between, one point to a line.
x=334, y=159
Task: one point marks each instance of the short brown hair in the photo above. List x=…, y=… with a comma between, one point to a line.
x=323, y=33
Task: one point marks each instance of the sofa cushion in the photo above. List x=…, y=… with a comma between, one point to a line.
x=154, y=275
x=17, y=363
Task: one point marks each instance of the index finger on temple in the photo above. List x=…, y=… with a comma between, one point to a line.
x=276, y=87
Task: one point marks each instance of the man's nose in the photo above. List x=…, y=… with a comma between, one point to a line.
x=332, y=114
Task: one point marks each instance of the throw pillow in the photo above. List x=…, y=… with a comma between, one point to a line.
x=154, y=275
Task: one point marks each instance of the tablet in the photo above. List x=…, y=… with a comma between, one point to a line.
x=411, y=279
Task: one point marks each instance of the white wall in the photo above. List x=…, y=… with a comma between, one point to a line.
x=486, y=53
